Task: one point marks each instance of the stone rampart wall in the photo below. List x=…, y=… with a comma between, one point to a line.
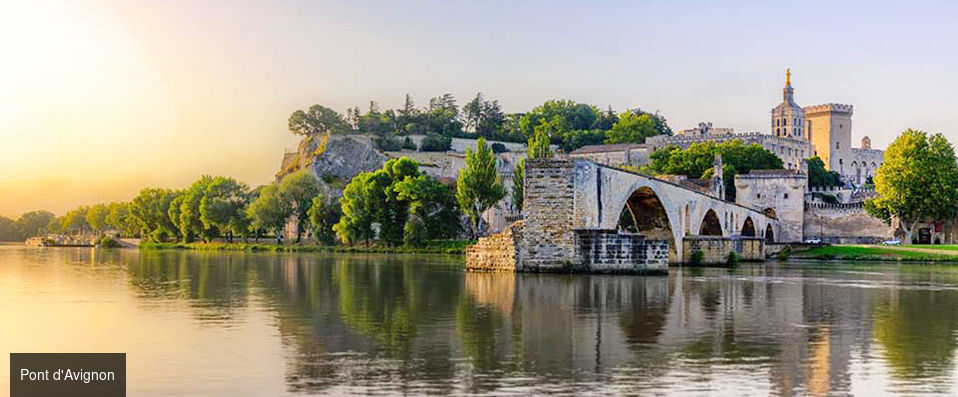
x=844, y=223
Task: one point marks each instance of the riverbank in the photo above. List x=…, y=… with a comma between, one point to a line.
x=454, y=247
x=938, y=254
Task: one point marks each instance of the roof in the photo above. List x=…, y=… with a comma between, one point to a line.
x=615, y=147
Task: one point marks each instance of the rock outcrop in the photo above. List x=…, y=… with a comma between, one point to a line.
x=334, y=159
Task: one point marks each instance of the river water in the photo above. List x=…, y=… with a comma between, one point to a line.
x=258, y=324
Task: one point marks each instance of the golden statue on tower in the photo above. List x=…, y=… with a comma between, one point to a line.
x=788, y=76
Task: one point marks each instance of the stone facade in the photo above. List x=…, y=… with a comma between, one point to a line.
x=616, y=155
x=609, y=251
x=498, y=252
x=716, y=250
x=845, y=223
x=548, y=238
x=781, y=193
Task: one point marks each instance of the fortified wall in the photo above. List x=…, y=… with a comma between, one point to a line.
x=844, y=224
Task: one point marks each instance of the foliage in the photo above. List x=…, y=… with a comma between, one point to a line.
x=8, y=230
x=388, y=143
x=562, y=114
x=818, y=176
x=732, y=259
x=298, y=190
x=35, y=223
x=518, y=184
x=269, y=210
x=316, y=120
x=479, y=185
x=435, y=143
x=223, y=207
x=498, y=147
x=538, y=146
x=632, y=128
x=574, y=139
x=408, y=144
x=96, y=216
x=917, y=181
x=784, y=254
x=483, y=117
x=388, y=197
x=188, y=217
x=697, y=257
x=75, y=220
x=120, y=219
x=697, y=161
x=323, y=214
x=107, y=242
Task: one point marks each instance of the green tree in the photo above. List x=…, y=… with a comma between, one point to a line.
x=538, y=146
x=518, y=184
x=119, y=218
x=223, y=207
x=568, y=114
x=918, y=181
x=632, y=128
x=323, y=215
x=96, y=217
x=818, y=176
x=317, y=119
x=430, y=203
x=75, y=220
x=442, y=116
x=34, y=223
x=697, y=161
x=8, y=230
x=479, y=186
x=298, y=189
x=150, y=209
x=483, y=117
x=270, y=210
x=390, y=197
x=189, y=220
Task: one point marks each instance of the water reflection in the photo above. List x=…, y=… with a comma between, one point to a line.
x=373, y=323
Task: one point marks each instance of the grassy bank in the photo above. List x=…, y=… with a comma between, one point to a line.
x=872, y=253
x=454, y=247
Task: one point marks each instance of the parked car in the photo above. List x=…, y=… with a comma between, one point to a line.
x=813, y=241
x=891, y=242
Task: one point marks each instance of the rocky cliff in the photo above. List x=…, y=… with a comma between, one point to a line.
x=334, y=159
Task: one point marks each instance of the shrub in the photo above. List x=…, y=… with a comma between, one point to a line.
x=499, y=148
x=732, y=260
x=408, y=144
x=435, y=143
x=107, y=242
x=387, y=143
x=697, y=258
x=784, y=254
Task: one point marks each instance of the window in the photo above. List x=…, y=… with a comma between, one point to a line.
x=786, y=195
x=758, y=195
x=836, y=145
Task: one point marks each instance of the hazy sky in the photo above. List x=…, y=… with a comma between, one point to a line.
x=101, y=98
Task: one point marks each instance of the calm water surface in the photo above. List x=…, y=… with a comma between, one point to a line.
x=198, y=323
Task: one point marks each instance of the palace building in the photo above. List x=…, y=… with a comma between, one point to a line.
x=796, y=134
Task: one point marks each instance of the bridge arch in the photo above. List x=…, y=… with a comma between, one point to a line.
x=644, y=213
x=748, y=227
x=769, y=234
x=711, y=226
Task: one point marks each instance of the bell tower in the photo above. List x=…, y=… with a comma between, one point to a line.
x=788, y=119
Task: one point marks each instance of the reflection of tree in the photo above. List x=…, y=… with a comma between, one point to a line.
x=215, y=285
x=484, y=321
x=917, y=331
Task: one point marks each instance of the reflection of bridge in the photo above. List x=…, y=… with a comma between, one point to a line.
x=573, y=206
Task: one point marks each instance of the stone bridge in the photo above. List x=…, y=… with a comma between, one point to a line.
x=581, y=215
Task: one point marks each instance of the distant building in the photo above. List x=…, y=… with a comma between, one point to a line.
x=797, y=133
